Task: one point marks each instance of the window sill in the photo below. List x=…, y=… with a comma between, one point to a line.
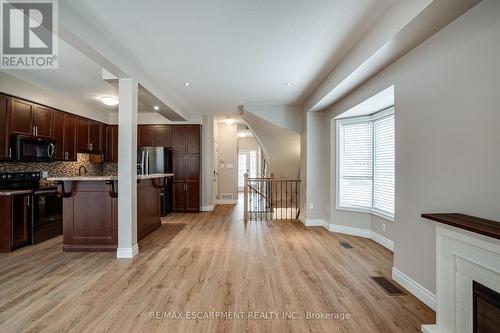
x=367, y=211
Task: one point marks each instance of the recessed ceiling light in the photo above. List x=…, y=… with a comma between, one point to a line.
x=288, y=84
x=109, y=100
x=156, y=108
x=186, y=84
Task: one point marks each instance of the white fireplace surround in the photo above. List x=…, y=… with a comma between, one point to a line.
x=462, y=257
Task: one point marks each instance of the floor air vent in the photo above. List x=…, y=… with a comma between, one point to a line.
x=389, y=287
x=346, y=245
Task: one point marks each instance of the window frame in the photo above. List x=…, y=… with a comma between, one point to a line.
x=353, y=120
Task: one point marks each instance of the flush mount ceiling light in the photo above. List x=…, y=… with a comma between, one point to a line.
x=229, y=120
x=156, y=108
x=186, y=84
x=109, y=100
x=288, y=84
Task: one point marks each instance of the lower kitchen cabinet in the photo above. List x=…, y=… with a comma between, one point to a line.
x=14, y=221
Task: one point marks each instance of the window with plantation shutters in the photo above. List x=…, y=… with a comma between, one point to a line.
x=355, y=167
x=365, y=163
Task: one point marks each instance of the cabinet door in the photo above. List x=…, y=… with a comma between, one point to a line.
x=20, y=220
x=163, y=136
x=112, y=143
x=70, y=137
x=192, y=139
x=95, y=131
x=146, y=137
x=21, y=117
x=58, y=134
x=82, y=135
x=193, y=168
x=180, y=197
x=4, y=136
x=179, y=140
x=42, y=120
x=193, y=197
x=179, y=168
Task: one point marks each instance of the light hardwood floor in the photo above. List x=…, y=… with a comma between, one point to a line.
x=207, y=262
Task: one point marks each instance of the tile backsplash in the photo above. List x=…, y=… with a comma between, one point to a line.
x=62, y=168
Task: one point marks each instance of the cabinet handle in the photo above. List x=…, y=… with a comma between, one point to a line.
x=91, y=146
x=36, y=130
x=10, y=153
x=28, y=200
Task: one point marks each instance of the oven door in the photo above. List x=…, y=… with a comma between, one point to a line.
x=47, y=215
x=32, y=149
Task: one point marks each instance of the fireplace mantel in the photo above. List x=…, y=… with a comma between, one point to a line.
x=467, y=250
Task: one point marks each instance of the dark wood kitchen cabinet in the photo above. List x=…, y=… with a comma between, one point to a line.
x=89, y=135
x=42, y=121
x=146, y=136
x=70, y=137
x=58, y=134
x=186, y=167
x=27, y=118
x=14, y=221
x=4, y=137
x=154, y=136
x=111, y=148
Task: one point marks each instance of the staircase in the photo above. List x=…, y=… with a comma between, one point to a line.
x=271, y=199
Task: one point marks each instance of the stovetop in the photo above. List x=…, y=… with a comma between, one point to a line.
x=19, y=180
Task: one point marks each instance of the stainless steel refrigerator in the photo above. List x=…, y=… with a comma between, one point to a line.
x=157, y=160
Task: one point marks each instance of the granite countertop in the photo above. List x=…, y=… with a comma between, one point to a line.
x=14, y=192
x=106, y=178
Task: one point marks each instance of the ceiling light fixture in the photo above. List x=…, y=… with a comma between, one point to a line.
x=186, y=84
x=229, y=121
x=109, y=100
x=288, y=84
x=156, y=108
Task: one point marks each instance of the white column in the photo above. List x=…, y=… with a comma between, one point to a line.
x=127, y=169
x=207, y=164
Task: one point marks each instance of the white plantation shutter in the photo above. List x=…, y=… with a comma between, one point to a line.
x=383, y=173
x=355, y=164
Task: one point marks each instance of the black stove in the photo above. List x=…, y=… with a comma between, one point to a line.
x=45, y=204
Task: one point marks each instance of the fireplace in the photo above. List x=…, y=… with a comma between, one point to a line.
x=486, y=309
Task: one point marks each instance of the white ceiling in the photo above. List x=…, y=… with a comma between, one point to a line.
x=233, y=52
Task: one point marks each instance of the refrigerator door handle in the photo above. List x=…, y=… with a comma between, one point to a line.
x=142, y=162
x=147, y=162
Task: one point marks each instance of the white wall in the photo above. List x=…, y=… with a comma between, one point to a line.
x=147, y=118
x=228, y=150
x=23, y=89
x=447, y=134
x=285, y=116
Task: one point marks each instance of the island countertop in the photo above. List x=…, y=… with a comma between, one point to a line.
x=106, y=178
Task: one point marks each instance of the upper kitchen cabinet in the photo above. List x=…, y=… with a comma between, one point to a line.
x=42, y=121
x=69, y=137
x=111, y=143
x=64, y=133
x=146, y=136
x=154, y=136
x=163, y=135
x=186, y=139
x=89, y=136
x=27, y=118
x=21, y=117
x=4, y=141
x=58, y=134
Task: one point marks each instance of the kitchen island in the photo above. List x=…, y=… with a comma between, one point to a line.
x=90, y=210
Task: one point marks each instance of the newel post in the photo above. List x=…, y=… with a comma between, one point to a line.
x=245, y=202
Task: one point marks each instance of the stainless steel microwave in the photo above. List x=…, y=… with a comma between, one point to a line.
x=32, y=149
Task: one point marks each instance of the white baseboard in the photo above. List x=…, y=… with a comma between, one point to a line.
x=416, y=289
x=366, y=233
x=385, y=242
x=226, y=201
x=127, y=252
x=429, y=328
x=315, y=223
x=350, y=230
x=208, y=208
